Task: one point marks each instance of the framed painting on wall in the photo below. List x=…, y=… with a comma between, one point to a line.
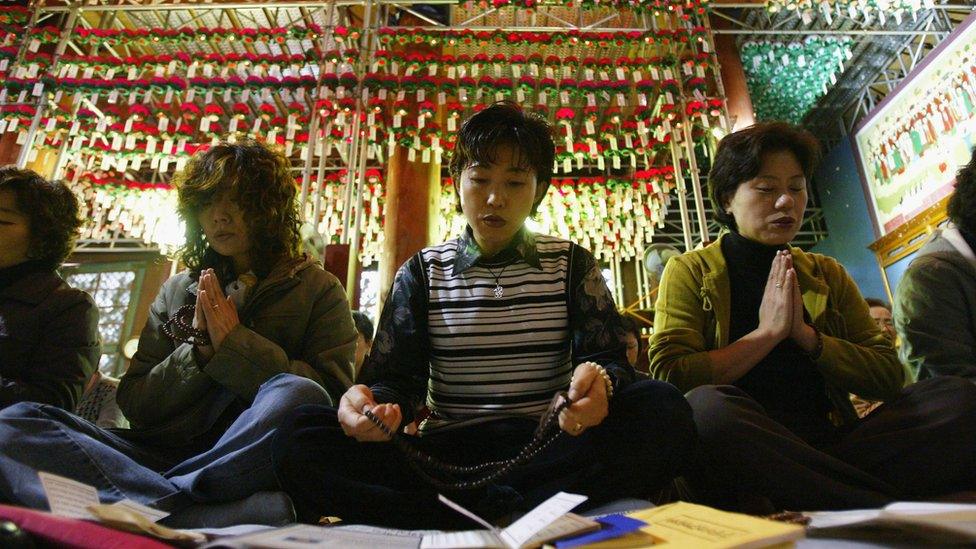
x=911, y=145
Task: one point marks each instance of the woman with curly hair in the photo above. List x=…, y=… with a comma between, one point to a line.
x=485, y=330
x=249, y=331
x=48, y=330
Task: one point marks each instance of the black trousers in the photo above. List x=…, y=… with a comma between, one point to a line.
x=648, y=435
x=918, y=445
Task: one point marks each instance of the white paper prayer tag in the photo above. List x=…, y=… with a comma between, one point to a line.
x=68, y=498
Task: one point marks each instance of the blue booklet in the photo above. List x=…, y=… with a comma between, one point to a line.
x=613, y=526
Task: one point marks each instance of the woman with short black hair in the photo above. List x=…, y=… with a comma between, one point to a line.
x=770, y=340
x=49, y=343
x=484, y=331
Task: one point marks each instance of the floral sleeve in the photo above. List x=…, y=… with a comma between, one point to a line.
x=398, y=365
x=597, y=333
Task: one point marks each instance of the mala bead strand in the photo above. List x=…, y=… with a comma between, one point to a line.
x=420, y=461
x=179, y=327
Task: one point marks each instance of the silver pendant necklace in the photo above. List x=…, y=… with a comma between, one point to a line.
x=498, y=291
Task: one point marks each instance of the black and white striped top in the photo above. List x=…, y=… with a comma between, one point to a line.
x=446, y=340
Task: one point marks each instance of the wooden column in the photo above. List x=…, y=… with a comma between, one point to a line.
x=733, y=77
x=410, y=213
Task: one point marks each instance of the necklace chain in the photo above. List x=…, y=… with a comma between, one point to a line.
x=498, y=291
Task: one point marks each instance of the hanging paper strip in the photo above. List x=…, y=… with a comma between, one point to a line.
x=371, y=212
x=855, y=9
x=685, y=8
x=116, y=207
x=612, y=217
x=786, y=79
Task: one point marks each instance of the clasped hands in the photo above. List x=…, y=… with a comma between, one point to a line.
x=781, y=310
x=587, y=391
x=214, y=312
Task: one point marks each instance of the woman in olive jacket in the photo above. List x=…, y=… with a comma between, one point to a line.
x=250, y=331
x=770, y=341
x=48, y=330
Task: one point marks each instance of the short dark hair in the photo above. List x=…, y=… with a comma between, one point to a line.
x=875, y=302
x=630, y=326
x=363, y=324
x=505, y=123
x=52, y=214
x=261, y=182
x=739, y=158
x=962, y=203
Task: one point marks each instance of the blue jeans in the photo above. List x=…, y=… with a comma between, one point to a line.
x=37, y=437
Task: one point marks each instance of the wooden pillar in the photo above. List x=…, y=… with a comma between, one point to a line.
x=410, y=213
x=8, y=149
x=733, y=77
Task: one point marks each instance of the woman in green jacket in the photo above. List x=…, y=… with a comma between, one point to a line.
x=251, y=330
x=770, y=340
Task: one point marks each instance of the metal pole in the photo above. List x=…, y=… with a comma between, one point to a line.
x=25, y=149
x=309, y=154
x=696, y=183
x=357, y=152
x=679, y=181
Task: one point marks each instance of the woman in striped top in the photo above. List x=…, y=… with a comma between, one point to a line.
x=483, y=330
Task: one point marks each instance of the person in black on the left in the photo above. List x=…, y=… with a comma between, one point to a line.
x=49, y=343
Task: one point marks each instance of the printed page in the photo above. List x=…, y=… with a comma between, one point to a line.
x=68, y=498
x=693, y=526
x=470, y=539
x=536, y=520
x=305, y=536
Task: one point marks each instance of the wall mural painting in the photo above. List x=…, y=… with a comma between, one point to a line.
x=913, y=143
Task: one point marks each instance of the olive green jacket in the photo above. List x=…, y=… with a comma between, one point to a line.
x=295, y=321
x=692, y=317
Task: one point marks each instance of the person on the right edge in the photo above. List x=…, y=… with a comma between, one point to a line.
x=769, y=340
x=935, y=304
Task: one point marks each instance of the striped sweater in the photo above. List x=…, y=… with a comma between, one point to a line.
x=475, y=339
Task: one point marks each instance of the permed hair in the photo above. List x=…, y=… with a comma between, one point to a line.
x=740, y=155
x=962, y=204
x=260, y=181
x=505, y=124
x=52, y=213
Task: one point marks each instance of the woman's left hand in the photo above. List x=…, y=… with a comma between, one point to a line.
x=801, y=332
x=588, y=392
x=220, y=311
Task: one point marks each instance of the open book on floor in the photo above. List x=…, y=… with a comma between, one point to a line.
x=942, y=522
x=550, y=521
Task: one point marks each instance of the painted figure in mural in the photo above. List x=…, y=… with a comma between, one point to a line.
x=770, y=340
x=49, y=343
x=484, y=330
x=935, y=302
x=252, y=329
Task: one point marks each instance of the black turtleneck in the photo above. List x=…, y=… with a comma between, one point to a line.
x=786, y=382
x=14, y=273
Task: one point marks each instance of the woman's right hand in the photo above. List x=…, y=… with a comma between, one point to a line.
x=776, y=309
x=354, y=422
x=205, y=352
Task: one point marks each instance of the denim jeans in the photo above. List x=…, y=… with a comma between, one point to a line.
x=37, y=437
